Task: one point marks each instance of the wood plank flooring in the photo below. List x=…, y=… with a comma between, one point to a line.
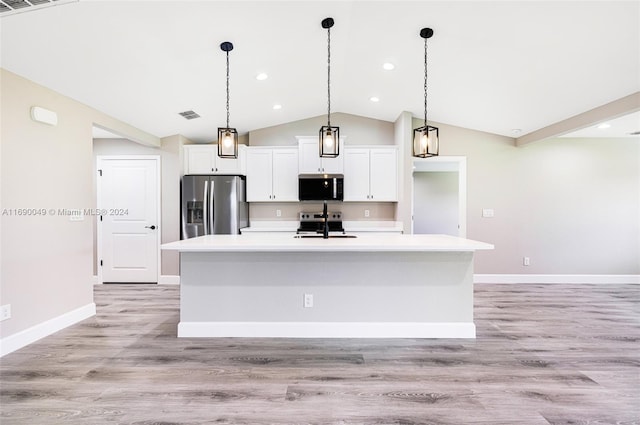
x=545, y=354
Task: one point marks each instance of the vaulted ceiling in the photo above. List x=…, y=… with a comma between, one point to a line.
x=494, y=66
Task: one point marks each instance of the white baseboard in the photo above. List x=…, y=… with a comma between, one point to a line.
x=169, y=280
x=326, y=330
x=23, y=338
x=162, y=280
x=558, y=278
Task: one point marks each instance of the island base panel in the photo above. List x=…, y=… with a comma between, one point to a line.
x=355, y=294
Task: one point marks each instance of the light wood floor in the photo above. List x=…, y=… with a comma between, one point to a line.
x=545, y=354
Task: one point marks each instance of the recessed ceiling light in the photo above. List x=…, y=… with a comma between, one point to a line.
x=388, y=66
x=604, y=125
x=374, y=99
x=277, y=106
x=262, y=76
x=516, y=131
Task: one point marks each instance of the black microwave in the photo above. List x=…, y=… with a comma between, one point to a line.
x=323, y=187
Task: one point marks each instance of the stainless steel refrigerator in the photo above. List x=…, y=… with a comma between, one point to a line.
x=213, y=205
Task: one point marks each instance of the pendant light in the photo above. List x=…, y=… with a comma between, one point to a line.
x=426, y=142
x=227, y=136
x=329, y=140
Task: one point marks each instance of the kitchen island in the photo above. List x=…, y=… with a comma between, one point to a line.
x=378, y=285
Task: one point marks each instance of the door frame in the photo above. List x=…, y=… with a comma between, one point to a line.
x=99, y=230
x=445, y=163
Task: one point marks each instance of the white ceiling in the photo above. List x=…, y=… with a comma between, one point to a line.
x=494, y=66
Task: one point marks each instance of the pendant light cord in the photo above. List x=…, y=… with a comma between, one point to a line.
x=329, y=77
x=425, y=82
x=228, y=90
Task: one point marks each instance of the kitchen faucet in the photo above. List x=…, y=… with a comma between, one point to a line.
x=325, y=218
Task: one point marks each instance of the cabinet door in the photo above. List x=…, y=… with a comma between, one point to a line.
x=383, y=174
x=285, y=175
x=309, y=157
x=259, y=175
x=356, y=174
x=229, y=165
x=199, y=159
x=333, y=165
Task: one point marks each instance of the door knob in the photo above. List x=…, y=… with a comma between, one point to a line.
x=152, y=227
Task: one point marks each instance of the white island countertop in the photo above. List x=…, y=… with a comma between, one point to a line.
x=361, y=243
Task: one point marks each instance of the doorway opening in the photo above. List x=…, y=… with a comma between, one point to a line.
x=439, y=201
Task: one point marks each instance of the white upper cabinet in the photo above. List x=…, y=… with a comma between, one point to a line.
x=204, y=159
x=371, y=174
x=310, y=161
x=272, y=174
x=285, y=175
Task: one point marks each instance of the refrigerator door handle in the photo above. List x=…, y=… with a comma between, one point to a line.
x=211, y=205
x=205, y=207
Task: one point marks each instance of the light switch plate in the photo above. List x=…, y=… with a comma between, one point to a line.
x=487, y=212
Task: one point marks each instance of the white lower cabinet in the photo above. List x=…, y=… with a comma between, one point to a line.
x=371, y=174
x=272, y=174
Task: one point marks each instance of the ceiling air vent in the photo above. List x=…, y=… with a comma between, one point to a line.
x=11, y=7
x=189, y=115
x=635, y=133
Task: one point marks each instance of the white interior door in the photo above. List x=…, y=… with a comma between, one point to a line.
x=128, y=233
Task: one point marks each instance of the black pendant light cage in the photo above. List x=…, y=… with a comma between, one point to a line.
x=426, y=140
x=329, y=137
x=227, y=136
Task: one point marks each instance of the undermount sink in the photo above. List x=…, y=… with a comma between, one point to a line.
x=321, y=237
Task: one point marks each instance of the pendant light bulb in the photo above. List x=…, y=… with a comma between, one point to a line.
x=328, y=139
x=228, y=141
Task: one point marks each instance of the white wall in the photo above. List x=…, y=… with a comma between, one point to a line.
x=355, y=129
x=571, y=205
x=46, y=268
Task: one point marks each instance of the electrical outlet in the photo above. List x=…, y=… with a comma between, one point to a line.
x=526, y=261
x=5, y=312
x=367, y=213
x=278, y=213
x=308, y=300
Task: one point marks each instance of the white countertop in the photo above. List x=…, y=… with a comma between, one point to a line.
x=285, y=242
